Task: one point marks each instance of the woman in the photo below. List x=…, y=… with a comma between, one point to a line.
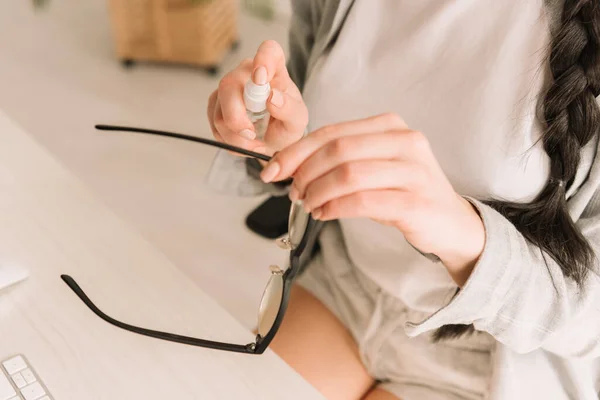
x=464, y=129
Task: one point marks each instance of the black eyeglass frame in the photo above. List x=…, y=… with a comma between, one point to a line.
x=261, y=343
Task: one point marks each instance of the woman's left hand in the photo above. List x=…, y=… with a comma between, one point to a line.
x=380, y=169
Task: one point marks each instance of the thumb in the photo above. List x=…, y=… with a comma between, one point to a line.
x=289, y=110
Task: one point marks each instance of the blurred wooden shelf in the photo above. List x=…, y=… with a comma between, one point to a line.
x=194, y=32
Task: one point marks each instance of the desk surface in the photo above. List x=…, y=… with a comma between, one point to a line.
x=51, y=224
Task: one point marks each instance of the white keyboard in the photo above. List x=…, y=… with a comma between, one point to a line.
x=18, y=381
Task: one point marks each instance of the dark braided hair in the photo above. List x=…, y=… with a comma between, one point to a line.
x=572, y=118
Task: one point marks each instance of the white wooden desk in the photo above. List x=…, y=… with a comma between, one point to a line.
x=51, y=224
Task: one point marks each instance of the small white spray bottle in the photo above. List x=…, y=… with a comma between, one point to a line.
x=255, y=99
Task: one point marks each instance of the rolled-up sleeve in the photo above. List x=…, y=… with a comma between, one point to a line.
x=519, y=295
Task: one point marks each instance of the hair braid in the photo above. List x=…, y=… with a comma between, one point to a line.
x=572, y=118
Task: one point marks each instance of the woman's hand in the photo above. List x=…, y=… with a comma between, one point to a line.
x=378, y=168
x=227, y=112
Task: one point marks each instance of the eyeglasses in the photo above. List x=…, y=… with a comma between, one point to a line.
x=272, y=307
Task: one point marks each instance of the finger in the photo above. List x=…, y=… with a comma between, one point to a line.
x=291, y=111
x=229, y=136
x=210, y=113
x=284, y=83
x=231, y=98
x=268, y=63
x=218, y=137
x=290, y=158
x=383, y=222
x=215, y=106
x=357, y=177
x=381, y=146
x=387, y=205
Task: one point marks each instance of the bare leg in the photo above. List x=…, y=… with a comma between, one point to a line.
x=380, y=394
x=315, y=343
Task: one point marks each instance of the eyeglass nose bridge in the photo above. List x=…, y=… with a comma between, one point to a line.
x=297, y=223
x=284, y=243
x=275, y=270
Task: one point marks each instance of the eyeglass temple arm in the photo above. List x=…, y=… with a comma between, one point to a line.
x=209, y=142
x=171, y=337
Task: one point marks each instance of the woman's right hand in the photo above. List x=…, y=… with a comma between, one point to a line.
x=289, y=115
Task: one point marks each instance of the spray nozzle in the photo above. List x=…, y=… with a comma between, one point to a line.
x=255, y=96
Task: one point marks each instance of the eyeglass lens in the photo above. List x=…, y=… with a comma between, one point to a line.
x=298, y=221
x=273, y=294
x=270, y=304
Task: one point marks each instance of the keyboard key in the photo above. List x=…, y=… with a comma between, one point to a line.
x=14, y=365
x=33, y=391
x=28, y=375
x=25, y=385
x=6, y=389
x=19, y=380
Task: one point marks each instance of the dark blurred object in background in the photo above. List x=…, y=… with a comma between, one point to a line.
x=40, y=3
x=194, y=32
x=270, y=219
x=264, y=9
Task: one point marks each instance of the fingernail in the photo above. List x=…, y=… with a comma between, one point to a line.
x=294, y=195
x=277, y=98
x=260, y=76
x=317, y=212
x=248, y=134
x=270, y=172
